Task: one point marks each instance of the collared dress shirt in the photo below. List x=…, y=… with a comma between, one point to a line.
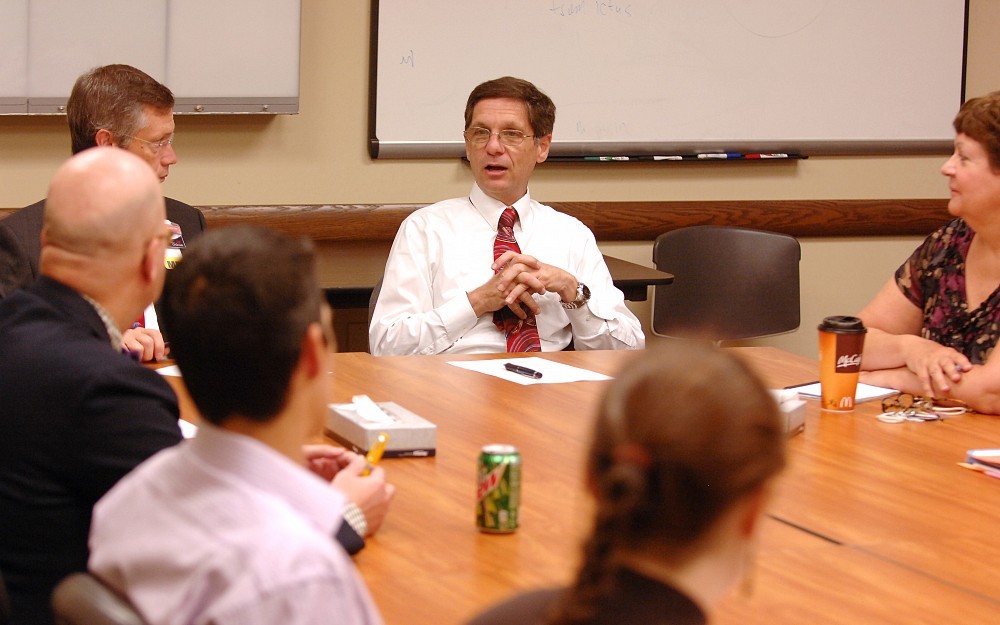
x=443, y=251
x=223, y=529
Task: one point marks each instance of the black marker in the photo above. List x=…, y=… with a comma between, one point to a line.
x=531, y=373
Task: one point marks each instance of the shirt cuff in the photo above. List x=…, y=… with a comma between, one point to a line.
x=356, y=518
x=458, y=313
x=584, y=314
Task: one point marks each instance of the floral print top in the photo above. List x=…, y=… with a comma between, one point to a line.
x=933, y=278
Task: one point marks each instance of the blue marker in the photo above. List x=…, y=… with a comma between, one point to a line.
x=722, y=155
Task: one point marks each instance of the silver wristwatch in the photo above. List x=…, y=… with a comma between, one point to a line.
x=582, y=297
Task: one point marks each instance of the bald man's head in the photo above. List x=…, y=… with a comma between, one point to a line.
x=104, y=221
x=102, y=200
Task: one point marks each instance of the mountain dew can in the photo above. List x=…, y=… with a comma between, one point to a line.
x=498, y=496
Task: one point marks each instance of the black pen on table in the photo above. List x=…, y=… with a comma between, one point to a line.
x=525, y=371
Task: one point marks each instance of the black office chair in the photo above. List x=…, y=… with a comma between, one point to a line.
x=82, y=599
x=374, y=300
x=371, y=307
x=729, y=283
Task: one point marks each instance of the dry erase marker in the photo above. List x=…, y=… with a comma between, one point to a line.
x=525, y=371
x=375, y=453
x=721, y=155
x=766, y=156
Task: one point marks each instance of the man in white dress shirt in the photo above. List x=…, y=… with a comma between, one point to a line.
x=443, y=282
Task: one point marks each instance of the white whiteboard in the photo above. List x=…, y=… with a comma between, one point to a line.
x=648, y=77
x=217, y=56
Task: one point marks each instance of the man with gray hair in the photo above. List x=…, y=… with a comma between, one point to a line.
x=118, y=106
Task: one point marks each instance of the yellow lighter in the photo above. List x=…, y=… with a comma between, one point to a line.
x=375, y=453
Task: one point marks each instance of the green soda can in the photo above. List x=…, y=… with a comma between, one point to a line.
x=498, y=496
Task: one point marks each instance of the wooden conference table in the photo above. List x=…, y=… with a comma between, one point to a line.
x=347, y=272
x=871, y=523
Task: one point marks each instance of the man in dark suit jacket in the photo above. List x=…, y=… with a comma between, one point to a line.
x=76, y=413
x=120, y=106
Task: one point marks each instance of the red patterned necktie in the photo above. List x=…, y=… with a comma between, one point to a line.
x=522, y=334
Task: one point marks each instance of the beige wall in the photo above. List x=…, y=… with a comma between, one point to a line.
x=320, y=156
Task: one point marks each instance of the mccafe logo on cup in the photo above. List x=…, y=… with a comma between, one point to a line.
x=848, y=363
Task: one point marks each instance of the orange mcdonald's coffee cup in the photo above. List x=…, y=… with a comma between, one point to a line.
x=841, y=341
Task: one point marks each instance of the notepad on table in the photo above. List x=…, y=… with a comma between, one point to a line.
x=865, y=392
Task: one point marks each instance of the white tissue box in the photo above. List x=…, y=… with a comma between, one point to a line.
x=409, y=434
x=793, y=410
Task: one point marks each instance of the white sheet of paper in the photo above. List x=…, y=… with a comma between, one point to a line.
x=172, y=370
x=865, y=392
x=552, y=372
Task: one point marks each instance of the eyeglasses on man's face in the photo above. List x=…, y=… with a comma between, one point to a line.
x=477, y=135
x=156, y=146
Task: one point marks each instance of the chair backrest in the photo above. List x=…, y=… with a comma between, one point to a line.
x=371, y=305
x=82, y=599
x=374, y=300
x=729, y=283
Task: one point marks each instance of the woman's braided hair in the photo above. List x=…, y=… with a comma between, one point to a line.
x=680, y=436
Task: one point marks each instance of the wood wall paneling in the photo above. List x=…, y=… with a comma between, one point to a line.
x=618, y=221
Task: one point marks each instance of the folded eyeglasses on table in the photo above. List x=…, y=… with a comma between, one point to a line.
x=908, y=407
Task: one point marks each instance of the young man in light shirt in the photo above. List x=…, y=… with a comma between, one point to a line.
x=231, y=527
